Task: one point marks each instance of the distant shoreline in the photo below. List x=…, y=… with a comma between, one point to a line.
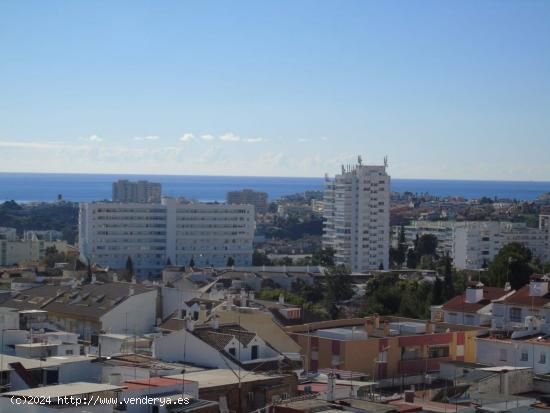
x=44, y=187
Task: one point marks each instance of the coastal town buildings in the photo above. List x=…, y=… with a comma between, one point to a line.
x=356, y=211
x=152, y=234
x=474, y=244
x=30, y=250
x=140, y=191
x=249, y=197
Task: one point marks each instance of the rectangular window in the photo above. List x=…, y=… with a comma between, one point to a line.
x=524, y=355
x=254, y=350
x=515, y=315
x=232, y=351
x=439, y=351
x=542, y=358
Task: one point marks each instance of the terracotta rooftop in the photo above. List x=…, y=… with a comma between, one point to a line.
x=522, y=298
x=459, y=303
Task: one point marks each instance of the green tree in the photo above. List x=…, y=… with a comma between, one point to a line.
x=323, y=257
x=446, y=267
x=412, y=259
x=260, y=258
x=129, y=269
x=339, y=288
x=437, y=292
x=52, y=256
x=426, y=245
x=513, y=263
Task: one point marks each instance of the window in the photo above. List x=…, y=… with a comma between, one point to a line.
x=69, y=352
x=254, y=351
x=542, y=358
x=503, y=356
x=232, y=351
x=524, y=355
x=439, y=351
x=515, y=315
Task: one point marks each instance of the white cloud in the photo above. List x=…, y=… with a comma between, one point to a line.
x=147, y=138
x=186, y=137
x=34, y=145
x=230, y=137
x=254, y=140
x=324, y=138
x=208, y=137
x=95, y=138
x=304, y=140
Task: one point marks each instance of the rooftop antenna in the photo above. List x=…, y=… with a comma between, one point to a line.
x=386, y=161
x=326, y=177
x=343, y=169
x=359, y=160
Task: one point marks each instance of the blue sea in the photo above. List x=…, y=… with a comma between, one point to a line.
x=27, y=187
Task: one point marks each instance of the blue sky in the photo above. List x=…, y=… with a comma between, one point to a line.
x=446, y=89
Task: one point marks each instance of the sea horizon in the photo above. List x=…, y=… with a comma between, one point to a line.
x=86, y=187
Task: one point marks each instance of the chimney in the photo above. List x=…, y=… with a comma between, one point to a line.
x=189, y=324
x=429, y=327
x=215, y=322
x=134, y=279
x=474, y=293
x=507, y=287
x=386, y=328
x=115, y=278
x=538, y=286
x=281, y=299
x=202, y=314
x=131, y=291
x=376, y=319
x=251, y=295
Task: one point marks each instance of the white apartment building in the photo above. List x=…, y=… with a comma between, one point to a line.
x=209, y=234
x=140, y=191
x=31, y=250
x=442, y=230
x=473, y=244
x=248, y=196
x=476, y=243
x=357, y=214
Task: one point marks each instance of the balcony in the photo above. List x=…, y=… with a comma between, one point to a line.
x=421, y=365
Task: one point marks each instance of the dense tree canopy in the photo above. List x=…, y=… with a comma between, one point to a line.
x=512, y=263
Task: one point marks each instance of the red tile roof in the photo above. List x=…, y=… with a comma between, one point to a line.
x=459, y=303
x=522, y=298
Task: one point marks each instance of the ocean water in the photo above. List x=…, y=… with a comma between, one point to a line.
x=26, y=187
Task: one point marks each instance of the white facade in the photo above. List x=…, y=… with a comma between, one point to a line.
x=442, y=230
x=140, y=191
x=109, y=233
x=476, y=244
x=357, y=213
x=29, y=250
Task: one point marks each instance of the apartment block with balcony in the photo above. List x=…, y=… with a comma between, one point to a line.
x=151, y=234
x=383, y=347
x=357, y=215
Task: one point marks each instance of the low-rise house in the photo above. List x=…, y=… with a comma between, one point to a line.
x=216, y=346
x=530, y=304
x=474, y=307
x=91, y=308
